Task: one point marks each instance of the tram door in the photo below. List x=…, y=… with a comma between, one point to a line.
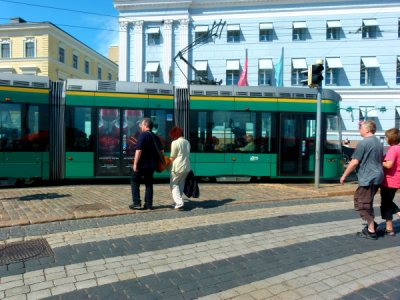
x=117, y=130
x=297, y=144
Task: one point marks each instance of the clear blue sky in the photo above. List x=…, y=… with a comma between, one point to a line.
x=96, y=25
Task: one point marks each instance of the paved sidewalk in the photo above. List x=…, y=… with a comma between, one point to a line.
x=23, y=206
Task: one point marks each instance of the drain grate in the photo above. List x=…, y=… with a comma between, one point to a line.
x=23, y=251
x=90, y=206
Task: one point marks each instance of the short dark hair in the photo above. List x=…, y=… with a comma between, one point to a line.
x=175, y=132
x=393, y=137
x=148, y=122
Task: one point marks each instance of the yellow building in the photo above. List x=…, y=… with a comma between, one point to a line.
x=44, y=49
x=113, y=54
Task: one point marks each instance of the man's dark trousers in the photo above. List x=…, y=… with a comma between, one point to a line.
x=142, y=176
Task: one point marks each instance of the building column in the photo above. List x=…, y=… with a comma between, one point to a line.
x=123, y=51
x=138, y=48
x=184, y=41
x=167, y=68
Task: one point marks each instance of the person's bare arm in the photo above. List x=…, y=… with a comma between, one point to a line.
x=387, y=164
x=138, y=154
x=350, y=168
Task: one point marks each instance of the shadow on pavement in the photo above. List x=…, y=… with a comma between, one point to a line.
x=39, y=197
x=191, y=204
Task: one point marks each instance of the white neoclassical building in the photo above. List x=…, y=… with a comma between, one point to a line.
x=359, y=42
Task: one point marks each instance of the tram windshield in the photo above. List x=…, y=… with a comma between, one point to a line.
x=332, y=141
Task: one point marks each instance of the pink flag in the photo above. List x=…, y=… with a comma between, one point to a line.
x=243, y=77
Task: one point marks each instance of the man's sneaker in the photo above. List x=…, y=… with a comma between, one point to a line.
x=367, y=235
x=134, y=207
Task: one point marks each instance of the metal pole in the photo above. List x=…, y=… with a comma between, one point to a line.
x=318, y=138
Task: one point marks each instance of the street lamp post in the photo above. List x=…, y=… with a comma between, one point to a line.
x=318, y=139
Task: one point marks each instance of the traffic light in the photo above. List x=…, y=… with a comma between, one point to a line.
x=314, y=75
x=316, y=78
x=308, y=76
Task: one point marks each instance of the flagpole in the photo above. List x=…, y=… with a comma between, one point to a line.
x=283, y=56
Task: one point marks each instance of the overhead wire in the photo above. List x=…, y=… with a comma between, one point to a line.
x=59, y=8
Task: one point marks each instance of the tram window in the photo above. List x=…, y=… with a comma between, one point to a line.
x=221, y=131
x=267, y=138
x=132, y=119
x=36, y=136
x=79, y=135
x=10, y=125
x=162, y=124
x=332, y=142
x=24, y=127
x=242, y=126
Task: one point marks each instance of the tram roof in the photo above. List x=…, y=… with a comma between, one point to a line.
x=19, y=80
x=262, y=91
x=119, y=86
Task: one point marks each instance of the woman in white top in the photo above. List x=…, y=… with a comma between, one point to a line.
x=180, y=157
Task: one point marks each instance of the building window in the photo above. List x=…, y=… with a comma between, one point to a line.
x=232, y=77
x=370, y=113
x=29, y=47
x=233, y=34
x=265, y=68
x=398, y=29
x=87, y=67
x=333, y=29
x=75, y=61
x=266, y=32
x=109, y=76
x=5, y=48
x=298, y=66
x=367, y=75
x=368, y=66
x=153, y=36
x=152, y=71
x=398, y=70
x=232, y=71
x=61, y=55
x=264, y=77
x=332, y=70
x=200, y=32
x=397, y=118
x=299, y=31
x=202, y=70
x=369, y=29
x=331, y=76
x=99, y=73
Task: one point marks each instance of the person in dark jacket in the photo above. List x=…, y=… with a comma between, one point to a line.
x=145, y=162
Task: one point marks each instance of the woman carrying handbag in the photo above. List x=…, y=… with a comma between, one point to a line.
x=180, y=157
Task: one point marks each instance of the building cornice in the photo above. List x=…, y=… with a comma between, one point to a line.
x=162, y=5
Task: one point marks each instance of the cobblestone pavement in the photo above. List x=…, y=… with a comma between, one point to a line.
x=230, y=244
x=23, y=206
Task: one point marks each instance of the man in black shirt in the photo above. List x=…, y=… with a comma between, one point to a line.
x=145, y=162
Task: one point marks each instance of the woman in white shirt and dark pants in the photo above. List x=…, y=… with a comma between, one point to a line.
x=180, y=157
